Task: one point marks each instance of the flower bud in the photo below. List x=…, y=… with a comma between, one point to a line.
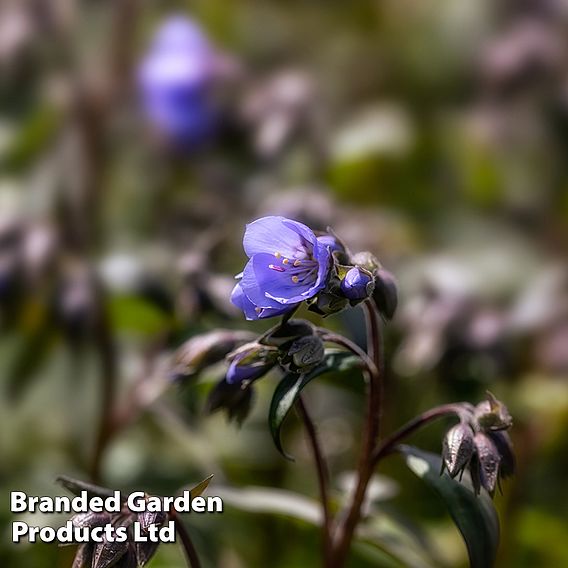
x=250, y=362
x=148, y=518
x=305, y=353
x=385, y=293
x=287, y=332
x=492, y=415
x=145, y=552
x=489, y=461
x=504, y=446
x=90, y=519
x=83, y=556
x=458, y=447
x=235, y=399
x=109, y=553
x=366, y=260
x=357, y=285
x=207, y=349
x=328, y=303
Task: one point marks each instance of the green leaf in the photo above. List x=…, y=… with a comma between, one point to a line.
x=33, y=138
x=475, y=517
x=200, y=488
x=136, y=315
x=272, y=501
x=291, y=386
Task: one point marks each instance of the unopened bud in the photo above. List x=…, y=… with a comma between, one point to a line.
x=492, y=415
x=385, y=293
x=108, y=553
x=458, y=448
x=357, y=285
x=489, y=460
x=149, y=518
x=287, y=332
x=250, y=362
x=305, y=353
x=330, y=300
x=83, y=556
x=207, y=349
x=235, y=399
x=504, y=446
x=90, y=519
x=366, y=260
x=144, y=552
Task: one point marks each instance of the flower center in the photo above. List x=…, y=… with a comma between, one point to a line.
x=302, y=267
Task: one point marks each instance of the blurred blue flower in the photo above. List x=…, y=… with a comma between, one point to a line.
x=355, y=285
x=287, y=265
x=175, y=79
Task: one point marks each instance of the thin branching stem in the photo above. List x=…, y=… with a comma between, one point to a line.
x=186, y=542
x=349, y=520
x=322, y=475
x=390, y=443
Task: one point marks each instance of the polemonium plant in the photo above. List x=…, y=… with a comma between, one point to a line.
x=288, y=266
x=175, y=80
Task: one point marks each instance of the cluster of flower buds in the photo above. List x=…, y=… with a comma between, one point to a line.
x=293, y=346
x=354, y=278
x=117, y=553
x=480, y=443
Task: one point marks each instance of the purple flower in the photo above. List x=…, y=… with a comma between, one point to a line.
x=355, y=285
x=175, y=79
x=287, y=265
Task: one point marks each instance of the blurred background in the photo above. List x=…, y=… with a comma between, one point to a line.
x=136, y=140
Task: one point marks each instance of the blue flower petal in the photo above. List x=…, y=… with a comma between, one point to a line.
x=276, y=235
x=239, y=299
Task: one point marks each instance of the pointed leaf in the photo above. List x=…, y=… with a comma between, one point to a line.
x=291, y=386
x=475, y=517
x=200, y=488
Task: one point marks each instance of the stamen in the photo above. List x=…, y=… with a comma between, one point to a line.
x=277, y=254
x=258, y=310
x=277, y=268
x=295, y=279
x=297, y=262
x=286, y=261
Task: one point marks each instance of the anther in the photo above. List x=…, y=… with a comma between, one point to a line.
x=277, y=255
x=297, y=262
x=286, y=261
x=295, y=279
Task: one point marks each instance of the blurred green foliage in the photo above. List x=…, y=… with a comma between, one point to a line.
x=435, y=135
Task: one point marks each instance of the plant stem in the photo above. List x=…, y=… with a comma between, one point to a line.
x=107, y=354
x=370, y=366
x=348, y=523
x=390, y=443
x=323, y=477
x=187, y=544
